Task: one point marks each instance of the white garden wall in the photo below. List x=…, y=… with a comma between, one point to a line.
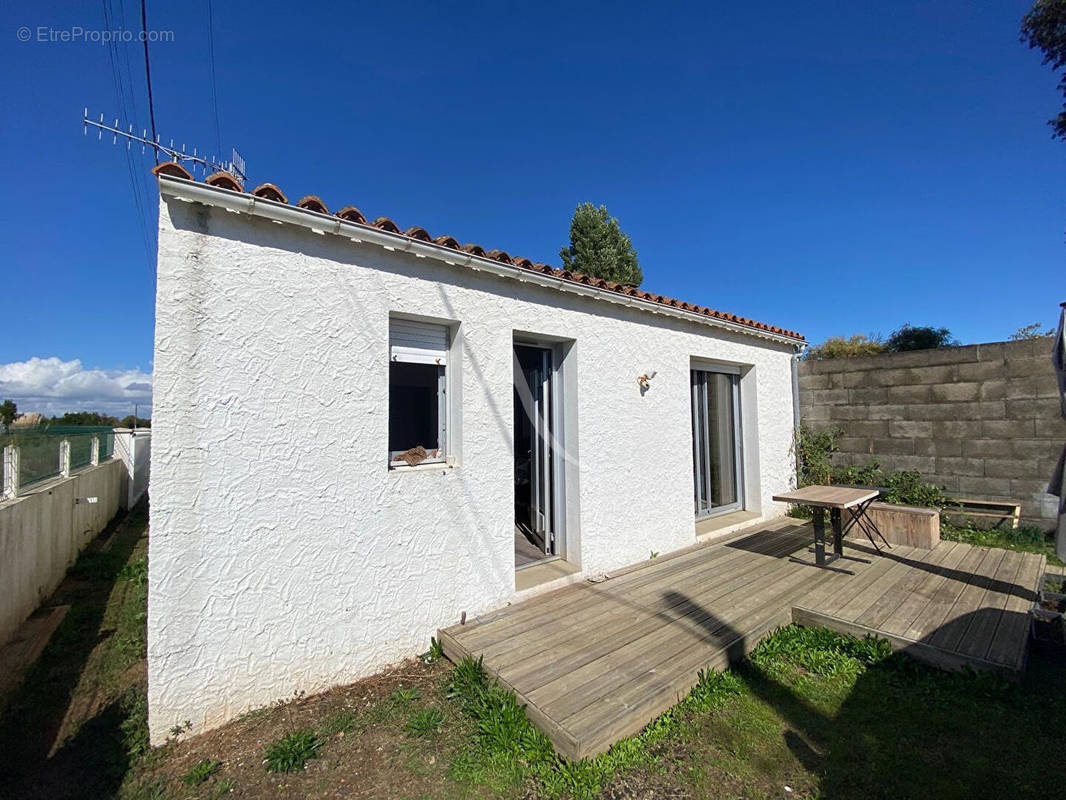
x=284, y=555
x=42, y=532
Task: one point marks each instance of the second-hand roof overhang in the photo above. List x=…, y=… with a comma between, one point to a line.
x=267, y=200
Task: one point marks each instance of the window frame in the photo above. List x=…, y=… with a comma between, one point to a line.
x=442, y=422
x=416, y=356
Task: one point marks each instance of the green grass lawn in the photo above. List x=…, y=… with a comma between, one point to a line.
x=810, y=714
x=1024, y=538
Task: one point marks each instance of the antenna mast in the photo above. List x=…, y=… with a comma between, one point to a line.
x=235, y=166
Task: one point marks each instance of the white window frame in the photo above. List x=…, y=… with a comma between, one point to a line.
x=413, y=353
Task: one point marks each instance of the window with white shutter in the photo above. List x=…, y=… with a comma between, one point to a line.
x=418, y=411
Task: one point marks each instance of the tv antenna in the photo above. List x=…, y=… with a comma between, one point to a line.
x=235, y=166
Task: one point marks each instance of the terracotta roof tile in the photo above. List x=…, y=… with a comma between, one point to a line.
x=352, y=214
x=312, y=203
x=415, y=232
x=172, y=169
x=269, y=191
x=386, y=224
x=223, y=180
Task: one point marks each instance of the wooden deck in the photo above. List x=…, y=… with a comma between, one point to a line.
x=595, y=662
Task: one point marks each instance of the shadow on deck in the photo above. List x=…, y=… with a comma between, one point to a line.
x=596, y=662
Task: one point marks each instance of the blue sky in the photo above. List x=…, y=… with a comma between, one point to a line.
x=832, y=167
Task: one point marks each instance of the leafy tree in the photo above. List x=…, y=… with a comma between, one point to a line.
x=850, y=347
x=8, y=412
x=919, y=337
x=129, y=420
x=599, y=248
x=85, y=418
x=1034, y=331
x=1044, y=28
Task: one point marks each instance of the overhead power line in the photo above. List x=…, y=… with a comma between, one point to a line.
x=148, y=74
x=214, y=82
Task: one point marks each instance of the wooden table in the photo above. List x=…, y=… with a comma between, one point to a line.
x=837, y=499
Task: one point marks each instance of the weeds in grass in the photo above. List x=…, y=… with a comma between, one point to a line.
x=506, y=741
x=292, y=751
x=435, y=652
x=404, y=695
x=342, y=722
x=426, y=722
x=134, y=725
x=224, y=787
x=819, y=651
x=201, y=772
x=1024, y=538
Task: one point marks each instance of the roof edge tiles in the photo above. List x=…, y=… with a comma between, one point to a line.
x=351, y=214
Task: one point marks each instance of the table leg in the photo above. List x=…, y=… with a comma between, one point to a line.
x=819, y=535
x=838, y=531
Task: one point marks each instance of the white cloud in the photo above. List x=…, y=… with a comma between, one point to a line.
x=52, y=386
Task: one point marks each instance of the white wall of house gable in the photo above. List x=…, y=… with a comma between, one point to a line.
x=284, y=556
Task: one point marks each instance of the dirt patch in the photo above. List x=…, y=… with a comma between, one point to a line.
x=366, y=750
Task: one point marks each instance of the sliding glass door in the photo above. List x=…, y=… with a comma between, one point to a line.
x=716, y=441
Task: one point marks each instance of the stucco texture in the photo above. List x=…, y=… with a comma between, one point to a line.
x=284, y=555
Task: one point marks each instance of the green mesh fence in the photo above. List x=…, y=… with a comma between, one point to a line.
x=39, y=457
x=81, y=448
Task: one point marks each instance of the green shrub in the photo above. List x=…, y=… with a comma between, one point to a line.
x=814, y=449
x=850, y=347
x=905, y=487
x=292, y=751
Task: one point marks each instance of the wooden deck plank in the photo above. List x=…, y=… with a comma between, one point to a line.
x=533, y=613
x=836, y=595
x=957, y=620
x=652, y=687
x=1014, y=624
x=707, y=624
x=986, y=619
x=628, y=658
x=588, y=622
x=918, y=599
x=944, y=597
x=890, y=599
x=595, y=662
x=600, y=635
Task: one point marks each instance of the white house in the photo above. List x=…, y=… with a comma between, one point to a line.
x=362, y=434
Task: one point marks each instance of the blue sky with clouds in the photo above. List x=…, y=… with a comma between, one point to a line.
x=832, y=167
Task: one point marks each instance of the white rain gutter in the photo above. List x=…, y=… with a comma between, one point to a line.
x=241, y=203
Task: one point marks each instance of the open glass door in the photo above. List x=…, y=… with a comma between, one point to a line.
x=716, y=441
x=534, y=467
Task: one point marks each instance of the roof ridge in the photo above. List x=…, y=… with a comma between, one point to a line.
x=312, y=203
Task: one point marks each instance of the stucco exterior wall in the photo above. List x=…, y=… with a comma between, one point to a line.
x=284, y=555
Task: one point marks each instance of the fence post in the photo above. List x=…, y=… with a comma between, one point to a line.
x=11, y=472
x=94, y=451
x=64, y=458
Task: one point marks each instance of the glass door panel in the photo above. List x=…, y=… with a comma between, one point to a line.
x=715, y=441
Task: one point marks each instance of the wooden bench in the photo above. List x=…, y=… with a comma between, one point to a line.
x=913, y=526
x=1001, y=510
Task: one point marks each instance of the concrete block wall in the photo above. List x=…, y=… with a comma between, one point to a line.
x=981, y=420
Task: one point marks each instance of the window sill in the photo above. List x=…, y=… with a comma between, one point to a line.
x=431, y=466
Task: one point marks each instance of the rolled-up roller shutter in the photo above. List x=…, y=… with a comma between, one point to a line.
x=415, y=342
